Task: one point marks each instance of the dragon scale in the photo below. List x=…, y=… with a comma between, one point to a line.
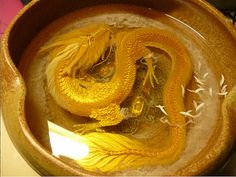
x=101, y=100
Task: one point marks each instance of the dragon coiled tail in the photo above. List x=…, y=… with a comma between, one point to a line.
x=109, y=152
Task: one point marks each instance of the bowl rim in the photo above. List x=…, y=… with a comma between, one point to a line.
x=32, y=142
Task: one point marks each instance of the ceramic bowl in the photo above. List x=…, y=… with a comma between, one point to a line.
x=210, y=23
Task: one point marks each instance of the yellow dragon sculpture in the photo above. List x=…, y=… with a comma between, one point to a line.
x=79, y=50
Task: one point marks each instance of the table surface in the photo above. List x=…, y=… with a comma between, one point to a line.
x=12, y=162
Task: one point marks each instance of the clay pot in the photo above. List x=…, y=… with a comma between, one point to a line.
x=210, y=23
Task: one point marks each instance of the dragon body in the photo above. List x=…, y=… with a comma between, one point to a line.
x=79, y=50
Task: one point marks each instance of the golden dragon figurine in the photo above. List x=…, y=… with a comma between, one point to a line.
x=79, y=50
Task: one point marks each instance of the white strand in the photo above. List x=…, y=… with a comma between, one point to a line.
x=197, y=90
x=198, y=80
x=223, y=89
x=222, y=80
x=222, y=93
x=183, y=90
x=190, y=121
x=199, y=106
x=195, y=104
x=188, y=114
x=210, y=92
x=162, y=109
x=205, y=75
x=199, y=66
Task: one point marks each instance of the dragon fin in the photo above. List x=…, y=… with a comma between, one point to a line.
x=110, y=152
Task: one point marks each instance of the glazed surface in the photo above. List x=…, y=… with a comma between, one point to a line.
x=193, y=48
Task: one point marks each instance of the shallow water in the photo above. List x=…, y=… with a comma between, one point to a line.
x=149, y=127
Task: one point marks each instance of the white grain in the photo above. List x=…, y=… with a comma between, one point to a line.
x=222, y=93
x=223, y=89
x=190, y=121
x=199, y=66
x=162, y=109
x=195, y=104
x=183, y=90
x=210, y=92
x=197, y=90
x=188, y=114
x=222, y=80
x=199, y=106
x=205, y=75
x=199, y=85
x=198, y=80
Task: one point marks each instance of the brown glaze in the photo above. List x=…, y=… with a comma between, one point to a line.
x=221, y=39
